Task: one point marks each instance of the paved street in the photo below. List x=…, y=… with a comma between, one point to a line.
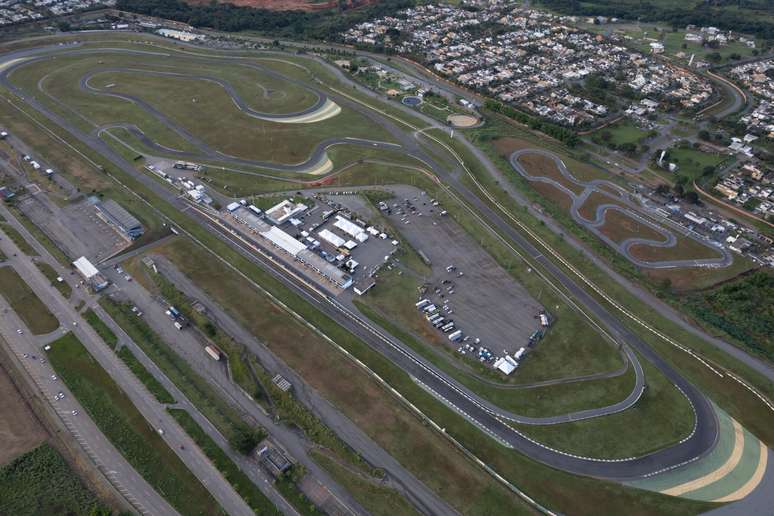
x=151, y=409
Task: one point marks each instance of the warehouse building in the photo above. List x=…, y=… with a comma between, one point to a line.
x=115, y=215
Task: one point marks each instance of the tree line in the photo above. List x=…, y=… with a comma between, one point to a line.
x=680, y=14
x=324, y=25
x=564, y=135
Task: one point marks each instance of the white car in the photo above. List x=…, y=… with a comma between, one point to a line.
x=19, y=331
x=74, y=412
x=53, y=377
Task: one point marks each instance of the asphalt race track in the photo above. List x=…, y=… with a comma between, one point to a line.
x=723, y=260
x=483, y=414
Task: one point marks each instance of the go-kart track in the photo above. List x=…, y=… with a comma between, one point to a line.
x=485, y=415
x=623, y=206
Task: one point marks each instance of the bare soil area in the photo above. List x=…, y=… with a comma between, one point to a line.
x=20, y=431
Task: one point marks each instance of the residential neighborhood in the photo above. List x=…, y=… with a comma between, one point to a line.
x=758, y=77
x=531, y=59
x=16, y=11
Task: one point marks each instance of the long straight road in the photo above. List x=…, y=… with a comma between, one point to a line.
x=153, y=411
x=102, y=452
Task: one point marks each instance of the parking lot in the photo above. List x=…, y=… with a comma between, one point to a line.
x=75, y=228
x=471, y=289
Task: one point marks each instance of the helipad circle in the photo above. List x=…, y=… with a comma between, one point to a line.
x=459, y=120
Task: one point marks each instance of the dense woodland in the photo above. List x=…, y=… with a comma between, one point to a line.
x=755, y=16
x=324, y=25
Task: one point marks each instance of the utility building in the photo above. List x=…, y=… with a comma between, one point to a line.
x=115, y=215
x=90, y=273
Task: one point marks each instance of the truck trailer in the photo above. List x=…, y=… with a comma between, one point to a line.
x=213, y=352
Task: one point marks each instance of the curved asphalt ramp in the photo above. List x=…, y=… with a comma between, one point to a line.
x=735, y=468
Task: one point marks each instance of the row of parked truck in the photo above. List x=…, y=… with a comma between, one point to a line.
x=434, y=317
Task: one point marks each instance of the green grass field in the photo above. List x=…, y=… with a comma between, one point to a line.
x=25, y=303
x=664, y=427
x=625, y=132
x=41, y=482
x=201, y=107
x=127, y=429
x=691, y=162
x=105, y=333
x=534, y=402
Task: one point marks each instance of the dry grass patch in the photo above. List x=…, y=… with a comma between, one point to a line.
x=418, y=448
x=589, y=208
x=619, y=227
x=20, y=432
x=539, y=165
x=685, y=249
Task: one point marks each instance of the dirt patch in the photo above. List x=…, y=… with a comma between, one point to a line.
x=618, y=227
x=290, y=5
x=553, y=194
x=541, y=166
x=692, y=279
x=20, y=431
x=462, y=120
x=589, y=209
x=507, y=146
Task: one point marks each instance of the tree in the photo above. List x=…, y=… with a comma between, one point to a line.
x=708, y=170
x=692, y=197
x=662, y=189
x=245, y=439
x=678, y=190
x=704, y=135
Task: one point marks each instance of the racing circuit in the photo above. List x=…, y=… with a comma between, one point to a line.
x=329, y=105
x=624, y=207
